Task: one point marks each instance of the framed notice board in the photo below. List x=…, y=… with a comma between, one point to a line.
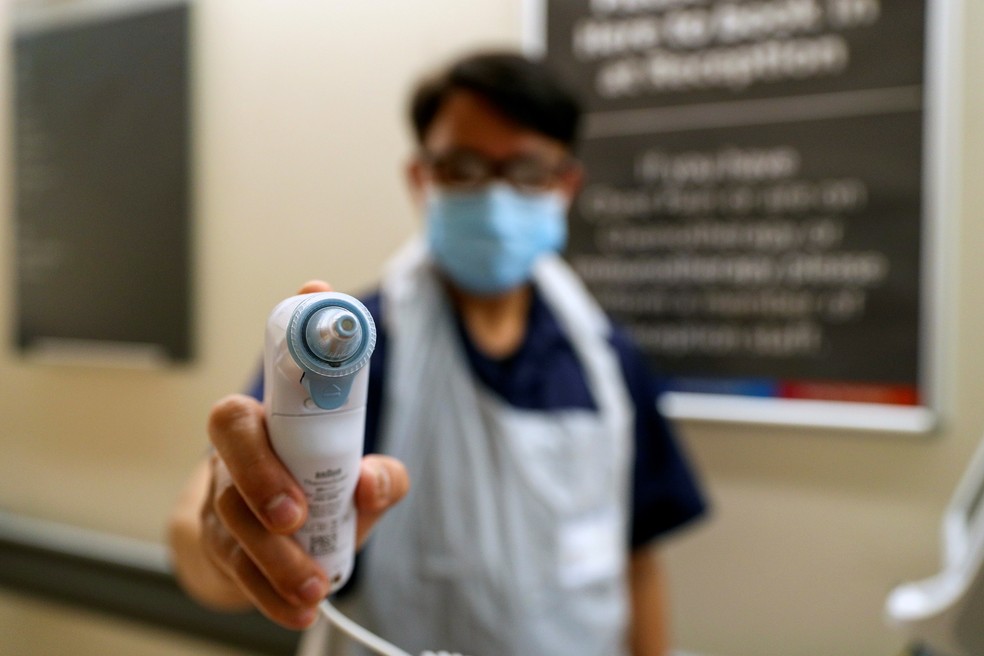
x=101, y=137
x=757, y=210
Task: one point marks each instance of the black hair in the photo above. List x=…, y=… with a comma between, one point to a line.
x=522, y=89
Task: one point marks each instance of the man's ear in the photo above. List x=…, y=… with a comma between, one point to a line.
x=571, y=181
x=416, y=180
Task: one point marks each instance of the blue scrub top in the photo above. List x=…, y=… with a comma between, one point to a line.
x=544, y=375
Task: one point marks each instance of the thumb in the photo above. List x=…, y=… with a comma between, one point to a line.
x=383, y=482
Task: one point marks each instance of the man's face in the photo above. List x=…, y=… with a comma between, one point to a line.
x=470, y=144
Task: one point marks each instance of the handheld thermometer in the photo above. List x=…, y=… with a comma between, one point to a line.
x=316, y=373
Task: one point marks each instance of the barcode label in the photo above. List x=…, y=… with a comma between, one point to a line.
x=323, y=544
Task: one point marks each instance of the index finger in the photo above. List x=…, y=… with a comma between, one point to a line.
x=238, y=431
x=312, y=286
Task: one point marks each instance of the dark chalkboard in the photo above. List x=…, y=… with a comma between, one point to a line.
x=754, y=212
x=102, y=179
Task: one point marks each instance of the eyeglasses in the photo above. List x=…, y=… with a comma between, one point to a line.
x=466, y=169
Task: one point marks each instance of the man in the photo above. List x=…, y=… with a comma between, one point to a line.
x=542, y=472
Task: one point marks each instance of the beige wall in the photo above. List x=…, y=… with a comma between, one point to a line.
x=300, y=144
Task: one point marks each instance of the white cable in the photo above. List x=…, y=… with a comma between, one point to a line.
x=356, y=632
x=370, y=640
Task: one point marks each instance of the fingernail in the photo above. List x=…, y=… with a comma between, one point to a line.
x=313, y=590
x=283, y=512
x=382, y=485
x=306, y=619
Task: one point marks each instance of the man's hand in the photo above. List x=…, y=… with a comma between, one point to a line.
x=254, y=505
x=230, y=531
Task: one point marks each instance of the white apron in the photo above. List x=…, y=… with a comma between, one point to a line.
x=513, y=540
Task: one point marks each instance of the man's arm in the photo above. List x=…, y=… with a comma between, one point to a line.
x=649, y=629
x=230, y=529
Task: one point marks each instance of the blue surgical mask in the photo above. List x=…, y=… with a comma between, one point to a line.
x=487, y=240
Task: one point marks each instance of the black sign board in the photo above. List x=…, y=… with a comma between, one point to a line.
x=754, y=211
x=102, y=180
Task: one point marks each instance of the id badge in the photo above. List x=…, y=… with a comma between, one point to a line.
x=592, y=549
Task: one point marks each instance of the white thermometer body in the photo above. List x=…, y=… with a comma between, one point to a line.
x=316, y=374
